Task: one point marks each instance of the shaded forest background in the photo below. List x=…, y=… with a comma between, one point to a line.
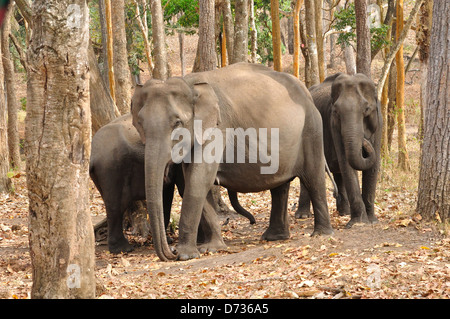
x=409, y=249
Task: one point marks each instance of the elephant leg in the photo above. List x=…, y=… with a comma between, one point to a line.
x=117, y=242
x=210, y=227
x=199, y=178
x=357, y=207
x=279, y=219
x=304, y=203
x=369, y=182
x=342, y=204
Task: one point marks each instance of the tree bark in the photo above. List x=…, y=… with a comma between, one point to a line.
x=206, y=49
x=434, y=182
x=5, y=181
x=240, y=43
x=12, y=105
x=319, y=38
x=253, y=33
x=122, y=74
x=159, y=41
x=58, y=131
x=403, y=158
x=349, y=58
x=142, y=22
x=228, y=29
x=311, y=43
x=276, y=34
x=109, y=50
x=296, y=18
x=363, y=51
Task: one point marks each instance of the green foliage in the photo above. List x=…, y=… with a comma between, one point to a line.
x=187, y=13
x=346, y=22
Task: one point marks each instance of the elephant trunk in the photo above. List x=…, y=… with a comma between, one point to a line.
x=155, y=163
x=359, y=152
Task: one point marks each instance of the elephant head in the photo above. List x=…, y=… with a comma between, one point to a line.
x=354, y=119
x=158, y=110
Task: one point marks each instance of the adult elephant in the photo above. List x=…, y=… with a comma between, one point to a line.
x=352, y=126
x=238, y=99
x=117, y=170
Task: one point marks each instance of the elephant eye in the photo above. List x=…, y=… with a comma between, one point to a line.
x=178, y=123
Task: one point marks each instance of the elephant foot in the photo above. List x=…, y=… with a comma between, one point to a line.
x=271, y=235
x=303, y=213
x=318, y=231
x=212, y=246
x=360, y=220
x=185, y=252
x=120, y=247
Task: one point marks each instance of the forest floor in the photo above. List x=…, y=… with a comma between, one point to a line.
x=400, y=257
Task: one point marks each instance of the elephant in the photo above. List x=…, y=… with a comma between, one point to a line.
x=352, y=125
x=213, y=109
x=117, y=170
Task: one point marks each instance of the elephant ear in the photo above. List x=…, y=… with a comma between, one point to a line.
x=206, y=109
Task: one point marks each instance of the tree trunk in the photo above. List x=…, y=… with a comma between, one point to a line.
x=403, y=159
x=206, y=49
x=296, y=18
x=228, y=27
x=5, y=181
x=253, y=33
x=122, y=74
x=276, y=34
x=318, y=19
x=311, y=43
x=363, y=51
x=12, y=105
x=109, y=50
x=423, y=41
x=103, y=108
x=102, y=17
x=434, y=181
x=58, y=131
x=159, y=41
x=349, y=57
x=240, y=43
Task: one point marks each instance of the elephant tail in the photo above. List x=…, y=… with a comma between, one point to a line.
x=335, y=188
x=238, y=208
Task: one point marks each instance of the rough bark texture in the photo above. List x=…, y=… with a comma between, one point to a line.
x=403, y=158
x=298, y=5
x=434, y=179
x=363, y=52
x=311, y=44
x=109, y=50
x=122, y=74
x=253, y=33
x=240, y=43
x=206, y=54
x=159, y=41
x=228, y=29
x=12, y=104
x=276, y=34
x=319, y=38
x=5, y=182
x=58, y=131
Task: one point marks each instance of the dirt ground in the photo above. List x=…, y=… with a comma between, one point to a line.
x=400, y=257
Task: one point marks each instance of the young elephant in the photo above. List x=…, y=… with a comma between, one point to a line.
x=117, y=170
x=212, y=108
x=352, y=126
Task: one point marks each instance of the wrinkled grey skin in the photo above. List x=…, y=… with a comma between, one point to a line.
x=238, y=96
x=117, y=170
x=352, y=126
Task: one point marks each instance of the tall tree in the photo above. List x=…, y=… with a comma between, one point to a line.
x=276, y=34
x=403, y=158
x=10, y=82
x=240, y=43
x=143, y=26
x=318, y=19
x=206, y=49
x=311, y=44
x=110, y=49
x=434, y=181
x=58, y=131
x=296, y=18
x=228, y=27
x=159, y=41
x=5, y=181
x=363, y=51
x=122, y=74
